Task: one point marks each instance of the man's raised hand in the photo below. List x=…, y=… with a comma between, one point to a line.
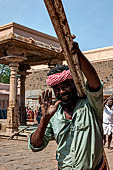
x=47, y=107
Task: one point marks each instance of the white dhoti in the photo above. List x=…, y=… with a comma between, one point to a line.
x=107, y=120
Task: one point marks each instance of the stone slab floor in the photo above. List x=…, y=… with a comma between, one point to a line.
x=14, y=155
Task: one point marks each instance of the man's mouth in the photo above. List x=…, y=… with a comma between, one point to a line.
x=64, y=97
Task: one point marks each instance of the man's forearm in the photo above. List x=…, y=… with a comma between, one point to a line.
x=38, y=135
x=89, y=72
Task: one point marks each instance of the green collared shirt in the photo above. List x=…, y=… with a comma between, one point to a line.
x=79, y=141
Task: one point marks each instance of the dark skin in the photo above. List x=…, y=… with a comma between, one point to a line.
x=67, y=93
x=45, y=100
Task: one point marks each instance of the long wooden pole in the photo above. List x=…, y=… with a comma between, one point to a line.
x=60, y=23
x=59, y=20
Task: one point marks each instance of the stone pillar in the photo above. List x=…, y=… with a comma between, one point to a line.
x=22, y=109
x=13, y=60
x=12, y=113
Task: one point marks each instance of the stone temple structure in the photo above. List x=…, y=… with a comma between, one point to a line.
x=22, y=49
x=102, y=60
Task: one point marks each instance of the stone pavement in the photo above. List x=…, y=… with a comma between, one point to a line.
x=14, y=155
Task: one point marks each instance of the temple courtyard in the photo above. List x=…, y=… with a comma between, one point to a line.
x=14, y=154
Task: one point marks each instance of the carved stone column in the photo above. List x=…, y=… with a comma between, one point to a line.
x=22, y=109
x=12, y=113
x=13, y=109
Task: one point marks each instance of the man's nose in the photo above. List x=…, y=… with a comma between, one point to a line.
x=61, y=90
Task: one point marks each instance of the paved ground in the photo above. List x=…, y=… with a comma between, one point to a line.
x=14, y=155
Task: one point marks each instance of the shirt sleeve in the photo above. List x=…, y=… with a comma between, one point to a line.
x=95, y=99
x=47, y=137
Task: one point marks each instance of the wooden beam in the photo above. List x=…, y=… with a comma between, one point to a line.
x=59, y=20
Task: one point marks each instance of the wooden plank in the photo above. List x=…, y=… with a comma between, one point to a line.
x=60, y=23
x=17, y=133
x=59, y=20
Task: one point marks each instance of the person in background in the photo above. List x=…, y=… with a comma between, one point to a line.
x=108, y=120
x=39, y=114
x=75, y=122
x=30, y=115
x=35, y=115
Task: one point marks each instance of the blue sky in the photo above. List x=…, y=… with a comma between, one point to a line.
x=90, y=20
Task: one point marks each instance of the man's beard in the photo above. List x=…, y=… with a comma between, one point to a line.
x=67, y=98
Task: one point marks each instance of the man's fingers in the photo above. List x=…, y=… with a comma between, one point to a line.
x=57, y=103
x=46, y=96
x=43, y=94
x=50, y=98
x=75, y=48
x=41, y=98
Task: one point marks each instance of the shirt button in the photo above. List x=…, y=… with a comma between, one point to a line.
x=72, y=150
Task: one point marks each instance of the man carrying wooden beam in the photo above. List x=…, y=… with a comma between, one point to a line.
x=74, y=121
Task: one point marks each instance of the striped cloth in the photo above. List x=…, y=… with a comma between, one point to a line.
x=57, y=78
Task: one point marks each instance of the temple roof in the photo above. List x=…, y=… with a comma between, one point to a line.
x=33, y=46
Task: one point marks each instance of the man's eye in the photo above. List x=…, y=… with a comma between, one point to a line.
x=66, y=86
x=57, y=89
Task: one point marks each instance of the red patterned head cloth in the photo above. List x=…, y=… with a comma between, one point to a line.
x=57, y=78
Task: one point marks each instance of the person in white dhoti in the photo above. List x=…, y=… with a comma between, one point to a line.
x=108, y=121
